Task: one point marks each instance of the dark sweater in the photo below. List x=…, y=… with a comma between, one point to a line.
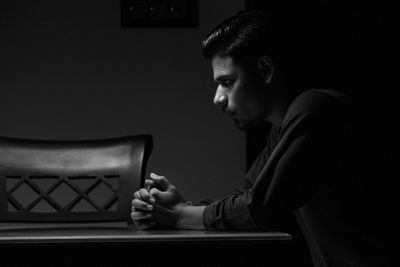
x=322, y=165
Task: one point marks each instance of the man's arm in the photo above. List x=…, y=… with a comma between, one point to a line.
x=190, y=217
x=307, y=153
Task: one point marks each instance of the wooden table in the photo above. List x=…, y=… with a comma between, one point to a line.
x=127, y=246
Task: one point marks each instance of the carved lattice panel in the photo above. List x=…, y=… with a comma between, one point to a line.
x=52, y=193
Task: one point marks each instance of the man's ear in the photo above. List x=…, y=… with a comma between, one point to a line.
x=266, y=68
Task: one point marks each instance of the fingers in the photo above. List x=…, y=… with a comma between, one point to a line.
x=144, y=195
x=158, y=195
x=142, y=213
x=155, y=193
x=159, y=181
x=137, y=216
x=138, y=204
x=142, y=220
x=149, y=183
x=145, y=211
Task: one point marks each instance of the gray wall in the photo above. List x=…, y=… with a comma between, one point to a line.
x=69, y=71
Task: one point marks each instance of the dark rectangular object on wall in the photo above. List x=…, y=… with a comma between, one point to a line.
x=159, y=13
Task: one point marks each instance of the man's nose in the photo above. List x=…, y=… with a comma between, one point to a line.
x=220, y=99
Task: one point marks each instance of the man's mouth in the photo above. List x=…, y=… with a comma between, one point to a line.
x=230, y=113
x=233, y=115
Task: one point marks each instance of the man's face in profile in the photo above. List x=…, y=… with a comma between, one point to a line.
x=240, y=92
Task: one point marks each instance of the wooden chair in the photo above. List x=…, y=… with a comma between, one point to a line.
x=71, y=181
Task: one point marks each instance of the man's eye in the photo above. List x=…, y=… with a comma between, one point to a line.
x=227, y=83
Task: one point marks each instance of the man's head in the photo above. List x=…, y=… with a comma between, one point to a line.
x=240, y=50
x=245, y=37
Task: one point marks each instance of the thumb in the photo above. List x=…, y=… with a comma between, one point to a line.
x=160, y=181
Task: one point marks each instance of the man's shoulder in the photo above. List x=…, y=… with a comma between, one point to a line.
x=313, y=100
x=318, y=101
x=318, y=105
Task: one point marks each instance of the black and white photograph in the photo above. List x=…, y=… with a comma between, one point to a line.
x=198, y=132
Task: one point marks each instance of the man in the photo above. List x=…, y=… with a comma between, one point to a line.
x=317, y=162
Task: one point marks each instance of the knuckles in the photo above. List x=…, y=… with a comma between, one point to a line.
x=143, y=192
x=154, y=192
x=136, y=195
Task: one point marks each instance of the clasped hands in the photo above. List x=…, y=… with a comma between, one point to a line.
x=157, y=205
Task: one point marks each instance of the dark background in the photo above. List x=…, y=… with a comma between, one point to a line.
x=348, y=45
x=351, y=46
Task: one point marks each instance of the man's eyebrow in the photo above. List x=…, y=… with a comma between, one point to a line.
x=223, y=77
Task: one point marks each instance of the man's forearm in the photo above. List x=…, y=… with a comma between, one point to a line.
x=190, y=217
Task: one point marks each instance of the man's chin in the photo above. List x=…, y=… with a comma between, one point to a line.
x=246, y=126
x=242, y=126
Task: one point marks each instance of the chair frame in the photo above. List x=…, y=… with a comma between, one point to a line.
x=23, y=160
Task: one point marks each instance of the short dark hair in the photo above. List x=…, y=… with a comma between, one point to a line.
x=245, y=34
x=287, y=39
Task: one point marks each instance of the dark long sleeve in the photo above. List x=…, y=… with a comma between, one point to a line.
x=288, y=176
x=328, y=170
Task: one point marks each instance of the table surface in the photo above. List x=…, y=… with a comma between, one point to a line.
x=59, y=233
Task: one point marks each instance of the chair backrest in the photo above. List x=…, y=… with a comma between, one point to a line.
x=71, y=181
